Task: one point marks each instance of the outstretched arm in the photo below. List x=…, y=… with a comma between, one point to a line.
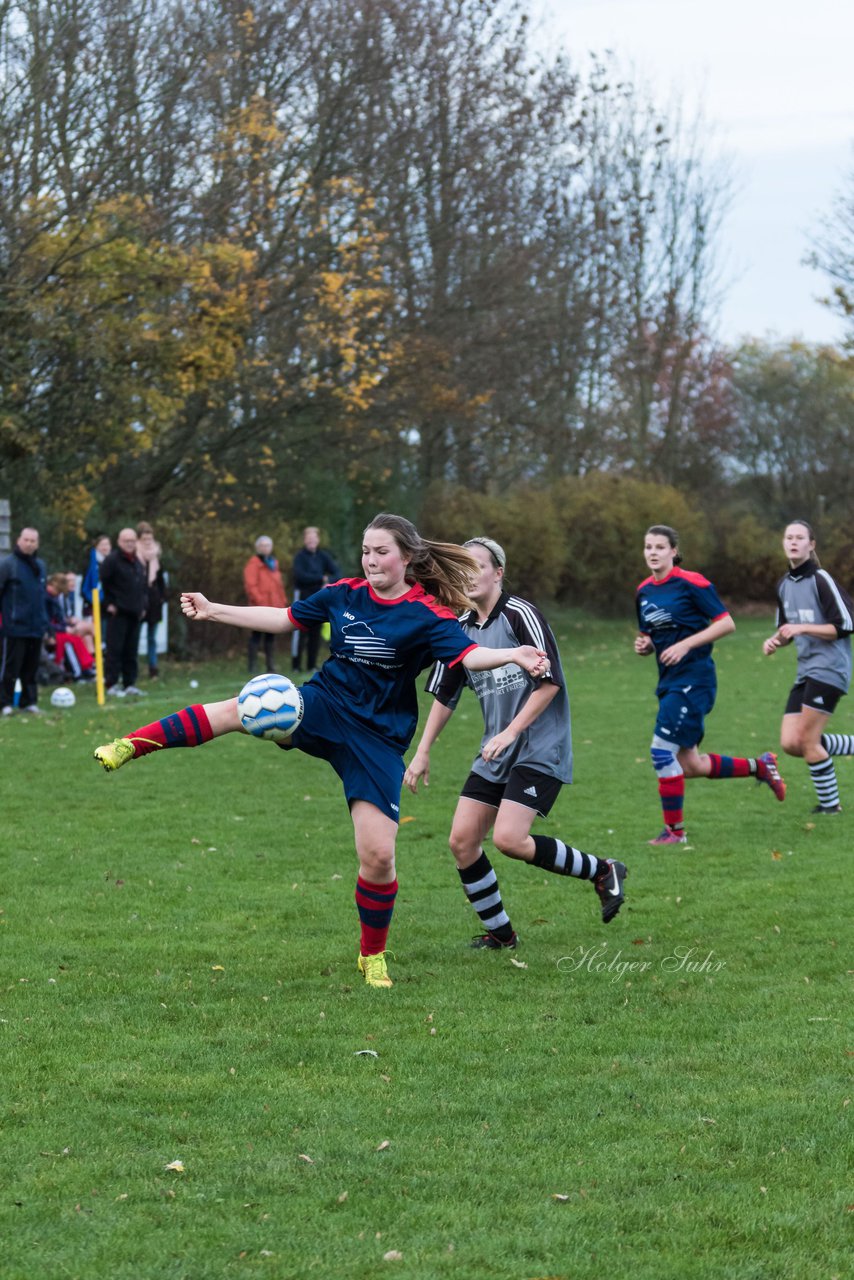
x=532, y=660
x=256, y=617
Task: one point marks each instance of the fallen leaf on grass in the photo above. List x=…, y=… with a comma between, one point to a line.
x=388, y=1081
x=218, y=968
x=409, y=818
x=561, y=1199
x=307, y=1159
x=384, y=1145
x=176, y=1166
x=764, y=1190
x=519, y=964
x=393, y=1255
x=776, y=855
x=343, y=1196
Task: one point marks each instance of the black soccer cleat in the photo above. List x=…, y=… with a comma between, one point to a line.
x=609, y=885
x=827, y=808
x=489, y=942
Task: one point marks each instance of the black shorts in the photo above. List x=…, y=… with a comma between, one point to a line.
x=815, y=694
x=525, y=786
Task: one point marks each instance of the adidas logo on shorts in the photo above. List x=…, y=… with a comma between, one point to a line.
x=530, y=791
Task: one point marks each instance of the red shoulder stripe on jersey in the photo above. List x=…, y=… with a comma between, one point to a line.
x=299, y=626
x=419, y=596
x=696, y=578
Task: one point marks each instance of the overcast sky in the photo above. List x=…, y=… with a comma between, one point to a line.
x=775, y=82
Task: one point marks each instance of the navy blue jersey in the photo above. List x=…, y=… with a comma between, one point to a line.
x=377, y=649
x=673, y=609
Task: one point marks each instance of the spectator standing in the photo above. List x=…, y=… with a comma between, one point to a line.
x=23, y=585
x=100, y=549
x=124, y=585
x=313, y=568
x=148, y=553
x=262, y=580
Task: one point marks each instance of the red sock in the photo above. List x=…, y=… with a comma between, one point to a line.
x=672, y=794
x=375, y=903
x=187, y=728
x=730, y=767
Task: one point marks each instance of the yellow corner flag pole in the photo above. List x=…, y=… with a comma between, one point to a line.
x=99, y=652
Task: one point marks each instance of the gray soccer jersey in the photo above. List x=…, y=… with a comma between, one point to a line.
x=546, y=745
x=809, y=594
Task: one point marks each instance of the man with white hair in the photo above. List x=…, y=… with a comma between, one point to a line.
x=262, y=580
x=23, y=585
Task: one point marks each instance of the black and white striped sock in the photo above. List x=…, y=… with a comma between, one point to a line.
x=838, y=744
x=562, y=859
x=481, y=887
x=824, y=780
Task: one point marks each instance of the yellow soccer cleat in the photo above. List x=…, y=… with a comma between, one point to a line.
x=114, y=754
x=375, y=971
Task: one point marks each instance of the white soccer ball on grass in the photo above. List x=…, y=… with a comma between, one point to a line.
x=62, y=697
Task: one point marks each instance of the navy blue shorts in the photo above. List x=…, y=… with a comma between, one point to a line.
x=369, y=768
x=682, y=714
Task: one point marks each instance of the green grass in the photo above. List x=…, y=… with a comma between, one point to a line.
x=179, y=983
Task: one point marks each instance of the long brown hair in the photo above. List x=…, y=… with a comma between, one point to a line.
x=442, y=568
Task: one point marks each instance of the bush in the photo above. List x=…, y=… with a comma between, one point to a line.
x=749, y=560
x=524, y=522
x=603, y=519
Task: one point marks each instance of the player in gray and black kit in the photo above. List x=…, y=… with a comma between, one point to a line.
x=816, y=613
x=525, y=756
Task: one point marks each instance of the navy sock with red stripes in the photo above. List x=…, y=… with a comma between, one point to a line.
x=187, y=728
x=375, y=904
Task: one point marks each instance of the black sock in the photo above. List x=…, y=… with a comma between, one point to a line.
x=481, y=887
x=562, y=859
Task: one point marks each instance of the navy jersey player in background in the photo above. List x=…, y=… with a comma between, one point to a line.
x=815, y=612
x=680, y=616
x=525, y=755
x=361, y=708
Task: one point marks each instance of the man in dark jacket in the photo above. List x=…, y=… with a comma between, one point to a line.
x=125, y=590
x=23, y=581
x=313, y=568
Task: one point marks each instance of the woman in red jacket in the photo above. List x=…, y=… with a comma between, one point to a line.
x=262, y=579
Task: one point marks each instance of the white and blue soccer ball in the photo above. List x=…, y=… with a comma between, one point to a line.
x=62, y=697
x=270, y=707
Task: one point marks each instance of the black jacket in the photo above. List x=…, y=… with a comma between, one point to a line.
x=123, y=579
x=310, y=568
x=23, y=584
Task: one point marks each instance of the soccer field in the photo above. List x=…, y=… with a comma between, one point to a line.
x=198, y=1084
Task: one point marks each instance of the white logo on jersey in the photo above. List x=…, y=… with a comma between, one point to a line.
x=806, y=615
x=530, y=791
x=365, y=644
x=351, y=616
